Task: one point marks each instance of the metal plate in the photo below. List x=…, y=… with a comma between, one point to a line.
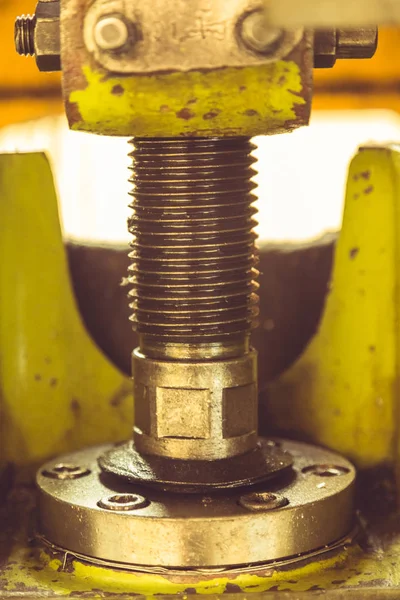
x=196, y=476
x=198, y=531
x=181, y=36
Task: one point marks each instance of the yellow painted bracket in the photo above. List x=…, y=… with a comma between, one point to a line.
x=343, y=392
x=57, y=390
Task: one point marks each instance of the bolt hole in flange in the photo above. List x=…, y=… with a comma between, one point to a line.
x=260, y=501
x=66, y=471
x=326, y=470
x=121, y=502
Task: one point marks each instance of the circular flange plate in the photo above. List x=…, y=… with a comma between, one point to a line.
x=194, y=476
x=285, y=517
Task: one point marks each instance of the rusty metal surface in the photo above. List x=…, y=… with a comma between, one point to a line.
x=180, y=36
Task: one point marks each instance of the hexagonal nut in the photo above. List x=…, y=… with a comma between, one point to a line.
x=325, y=48
x=47, y=36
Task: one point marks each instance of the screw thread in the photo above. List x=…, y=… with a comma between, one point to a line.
x=193, y=252
x=24, y=35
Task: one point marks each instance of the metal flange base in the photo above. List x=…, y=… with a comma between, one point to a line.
x=101, y=517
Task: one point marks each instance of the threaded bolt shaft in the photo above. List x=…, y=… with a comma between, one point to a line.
x=193, y=253
x=24, y=35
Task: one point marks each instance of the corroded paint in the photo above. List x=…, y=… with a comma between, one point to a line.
x=231, y=101
x=343, y=391
x=57, y=390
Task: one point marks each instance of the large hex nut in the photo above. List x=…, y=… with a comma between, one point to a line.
x=47, y=35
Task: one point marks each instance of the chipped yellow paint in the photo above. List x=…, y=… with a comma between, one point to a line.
x=347, y=568
x=343, y=391
x=57, y=390
x=247, y=101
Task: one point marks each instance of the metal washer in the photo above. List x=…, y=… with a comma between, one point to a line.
x=194, y=476
x=189, y=531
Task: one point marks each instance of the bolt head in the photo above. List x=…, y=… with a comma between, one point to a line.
x=257, y=34
x=326, y=470
x=123, y=502
x=111, y=32
x=262, y=501
x=63, y=471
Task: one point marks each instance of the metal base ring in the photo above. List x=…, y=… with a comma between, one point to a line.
x=103, y=517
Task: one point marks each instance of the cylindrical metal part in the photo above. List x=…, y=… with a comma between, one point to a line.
x=194, y=297
x=195, y=410
x=193, y=271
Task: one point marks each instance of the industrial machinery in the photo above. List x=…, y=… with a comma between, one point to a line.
x=197, y=492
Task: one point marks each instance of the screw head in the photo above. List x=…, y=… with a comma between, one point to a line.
x=66, y=471
x=121, y=502
x=262, y=501
x=326, y=470
x=257, y=34
x=111, y=32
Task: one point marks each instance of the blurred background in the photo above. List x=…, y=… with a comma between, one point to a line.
x=301, y=175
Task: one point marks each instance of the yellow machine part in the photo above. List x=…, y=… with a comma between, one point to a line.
x=247, y=101
x=343, y=392
x=57, y=390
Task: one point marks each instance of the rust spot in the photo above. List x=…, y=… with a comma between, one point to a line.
x=72, y=110
x=47, y=360
x=164, y=108
x=338, y=581
x=118, y=90
x=369, y=189
x=118, y=397
x=355, y=196
x=211, y=115
x=353, y=253
x=75, y=405
x=250, y=112
x=314, y=588
x=232, y=588
x=185, y=114
x=372, y=349
x=242, y=88
x=356, y=177
x=282, y=80
x=53, y=381
x=190, y=590
x=365, y=175
x=192, y=101
x=38, y=377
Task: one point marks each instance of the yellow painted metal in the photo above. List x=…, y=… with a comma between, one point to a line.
x=343, y=392
x=246, y=101
x=57, y=391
